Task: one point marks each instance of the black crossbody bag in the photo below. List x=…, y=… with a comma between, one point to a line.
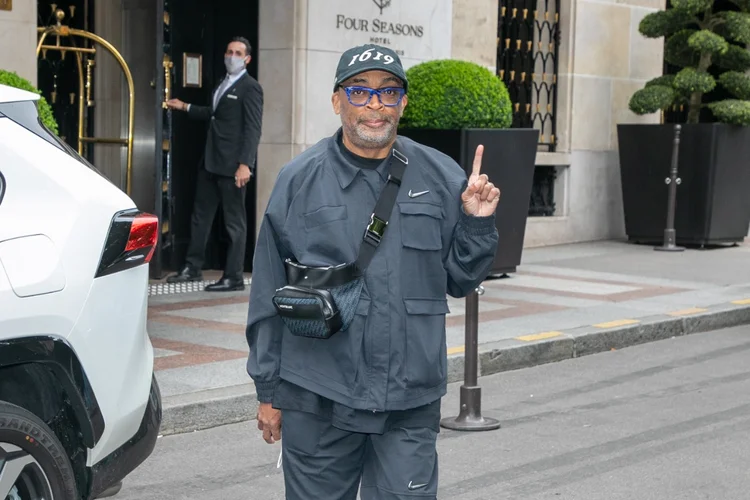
x=320, y=301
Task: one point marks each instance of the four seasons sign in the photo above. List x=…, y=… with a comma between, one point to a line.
x=414, y=29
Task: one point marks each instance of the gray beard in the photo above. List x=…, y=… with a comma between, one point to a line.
x=364, y=138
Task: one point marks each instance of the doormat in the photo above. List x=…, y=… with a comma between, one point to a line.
x=175, y=288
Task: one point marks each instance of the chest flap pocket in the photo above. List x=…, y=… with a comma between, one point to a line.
x=326, y=235
x=324, y=215
x=420, y=225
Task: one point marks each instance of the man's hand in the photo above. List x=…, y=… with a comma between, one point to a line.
x=177, y=104
x=269, y=421
x=242, y=176
x=481, y=196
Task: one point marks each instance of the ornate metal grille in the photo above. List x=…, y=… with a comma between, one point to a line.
x=527, y=56
x=528, y=40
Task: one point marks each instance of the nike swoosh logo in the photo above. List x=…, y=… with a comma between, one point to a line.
x=414, y=195
x=416, y=486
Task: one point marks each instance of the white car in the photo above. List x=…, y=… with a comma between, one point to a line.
x=79, y=405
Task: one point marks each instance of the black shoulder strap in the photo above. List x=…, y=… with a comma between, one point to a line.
x=383, y=208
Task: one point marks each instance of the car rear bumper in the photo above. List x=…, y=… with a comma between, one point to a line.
x=117, y=465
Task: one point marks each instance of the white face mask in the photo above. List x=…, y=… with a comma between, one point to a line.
x=234, y=64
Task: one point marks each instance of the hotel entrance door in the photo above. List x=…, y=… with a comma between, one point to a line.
x=194, y=35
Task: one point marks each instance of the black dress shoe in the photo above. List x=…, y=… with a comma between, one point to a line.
x=226, y=285
x=187, y=275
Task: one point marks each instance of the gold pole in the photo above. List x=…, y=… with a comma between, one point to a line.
x=131, y=101
x=44, y=32
x=69, y=49
x=67, y=31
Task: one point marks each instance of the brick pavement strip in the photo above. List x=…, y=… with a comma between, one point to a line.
x=208, y=315
x=201, y=410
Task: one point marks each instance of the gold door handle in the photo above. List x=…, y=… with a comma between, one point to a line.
x=167, y=64
x=89, y=84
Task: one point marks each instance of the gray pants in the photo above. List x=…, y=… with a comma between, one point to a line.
x=321, y=461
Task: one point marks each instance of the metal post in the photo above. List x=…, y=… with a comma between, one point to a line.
x=670, y=235
x=470, y=415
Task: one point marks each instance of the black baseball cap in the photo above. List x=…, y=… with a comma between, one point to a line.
x=368, y=57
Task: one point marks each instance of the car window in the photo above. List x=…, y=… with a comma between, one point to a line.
x=25, y=114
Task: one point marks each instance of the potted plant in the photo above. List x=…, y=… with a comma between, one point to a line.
x=453, y=107
x=706, y=44
x=45, y=110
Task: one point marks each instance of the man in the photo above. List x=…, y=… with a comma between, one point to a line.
x=364, y=404
x=235, y=116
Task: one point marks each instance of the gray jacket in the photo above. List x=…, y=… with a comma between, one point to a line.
x=393, y=356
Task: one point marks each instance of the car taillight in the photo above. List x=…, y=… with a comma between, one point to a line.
x=131, y=242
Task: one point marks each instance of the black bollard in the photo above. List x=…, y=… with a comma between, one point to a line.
x=470, y=415
x=670, y=235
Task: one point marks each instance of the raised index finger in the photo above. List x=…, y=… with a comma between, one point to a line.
x=477, y=161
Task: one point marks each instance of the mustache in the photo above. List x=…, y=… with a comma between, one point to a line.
x=373, y=117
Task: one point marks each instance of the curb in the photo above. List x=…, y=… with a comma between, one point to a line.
x=514, y=354
x=206, y=409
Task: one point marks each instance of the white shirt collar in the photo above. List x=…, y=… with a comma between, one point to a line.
x=233, y=78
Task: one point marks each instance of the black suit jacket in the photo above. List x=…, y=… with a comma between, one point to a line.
x=234, y=128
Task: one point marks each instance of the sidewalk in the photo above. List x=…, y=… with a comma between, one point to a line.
x=563, y=302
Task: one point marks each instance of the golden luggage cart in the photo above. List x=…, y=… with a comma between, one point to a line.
x=84, y=88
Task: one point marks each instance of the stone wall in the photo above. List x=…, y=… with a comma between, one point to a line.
x=474, y=31
x=18, y=39
x=603, y=60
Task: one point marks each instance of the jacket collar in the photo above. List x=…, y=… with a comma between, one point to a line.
x=346, y=172
x=234, y=79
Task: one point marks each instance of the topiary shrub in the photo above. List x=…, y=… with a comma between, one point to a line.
x=698, y=39
x=453, y=94
x=45, y=110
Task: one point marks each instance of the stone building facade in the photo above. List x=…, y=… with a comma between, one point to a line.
x=601, y=60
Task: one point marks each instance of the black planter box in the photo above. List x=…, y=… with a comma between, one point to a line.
x=713, y=200
x=509, y=160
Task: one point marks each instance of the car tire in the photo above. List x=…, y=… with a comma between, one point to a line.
x=29, y=445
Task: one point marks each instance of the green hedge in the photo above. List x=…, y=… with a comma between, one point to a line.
x=453, y=94
x=720, y=42
x=45, y=110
